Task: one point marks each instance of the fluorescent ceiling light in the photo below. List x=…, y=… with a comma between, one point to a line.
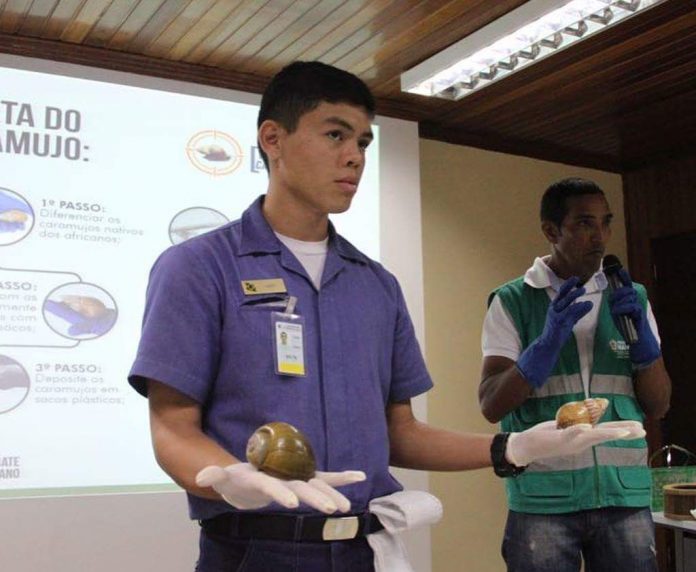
x=525, y=35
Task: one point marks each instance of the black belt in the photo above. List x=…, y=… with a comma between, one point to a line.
x=293, y=527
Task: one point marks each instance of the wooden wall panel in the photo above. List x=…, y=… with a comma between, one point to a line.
x=660, y=201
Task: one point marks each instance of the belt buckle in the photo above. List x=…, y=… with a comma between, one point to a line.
x=340, y=528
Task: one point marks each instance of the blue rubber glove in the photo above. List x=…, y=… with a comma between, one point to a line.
x=98, y=325
x=11, y=226
x=9, y=203
x=79, y=324
x=12, y=376
x=624, y=302
x=537, y=361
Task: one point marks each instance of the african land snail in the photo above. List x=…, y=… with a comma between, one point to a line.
x=85, y=305
x=282, y=451
x=576, y=412
x=13, y=215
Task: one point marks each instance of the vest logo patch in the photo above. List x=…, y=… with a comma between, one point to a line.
x=620, y=348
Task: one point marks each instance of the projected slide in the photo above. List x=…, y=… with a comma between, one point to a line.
x=96, y=180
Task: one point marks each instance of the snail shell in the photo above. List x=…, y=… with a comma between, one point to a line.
x=85, y=305
x=213, y=153
x=576, y=412
x=282, y=451
x=13, y=216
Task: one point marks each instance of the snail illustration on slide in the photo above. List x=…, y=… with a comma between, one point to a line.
x=213, y=152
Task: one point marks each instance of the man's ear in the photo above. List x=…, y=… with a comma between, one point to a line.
x=551, y=231
x=269, y=136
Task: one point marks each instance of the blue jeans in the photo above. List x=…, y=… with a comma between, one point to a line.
x=608, y=539
x=220, y=554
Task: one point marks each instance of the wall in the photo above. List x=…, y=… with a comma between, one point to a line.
x=480, y=228
x=660, y=206
x=660, y=201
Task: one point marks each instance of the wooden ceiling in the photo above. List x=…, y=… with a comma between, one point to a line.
x=616, y=101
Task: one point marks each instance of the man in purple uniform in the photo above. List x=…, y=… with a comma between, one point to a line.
x=276, y=317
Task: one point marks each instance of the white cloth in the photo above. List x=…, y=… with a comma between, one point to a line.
x=500, y=337
x=398, y=512
x=312, y=255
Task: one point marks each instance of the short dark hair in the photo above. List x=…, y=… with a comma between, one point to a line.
x=554, y=203
x=301, y=86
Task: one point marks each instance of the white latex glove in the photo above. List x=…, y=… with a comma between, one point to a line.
x=545, y=440
x=245, y=487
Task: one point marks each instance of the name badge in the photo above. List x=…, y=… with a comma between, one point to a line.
x=288, y=341
x=266, y=286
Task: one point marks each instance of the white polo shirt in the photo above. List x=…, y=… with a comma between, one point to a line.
x=500, y=337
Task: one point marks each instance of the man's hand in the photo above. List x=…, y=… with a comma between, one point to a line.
x=545, y=440
x=245, y=487
x=537, y=361
x=624, y=302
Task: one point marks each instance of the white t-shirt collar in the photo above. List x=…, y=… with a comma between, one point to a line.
x=302, y=246
x=540, y=275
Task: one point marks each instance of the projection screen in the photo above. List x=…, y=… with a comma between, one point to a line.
x=99, y=173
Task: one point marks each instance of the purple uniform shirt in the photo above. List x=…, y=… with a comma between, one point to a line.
x=207, y=339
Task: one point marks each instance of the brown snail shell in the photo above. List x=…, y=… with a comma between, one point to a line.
x=14, y=216
x=282, y=451
x=86, y=305
x=576, y=412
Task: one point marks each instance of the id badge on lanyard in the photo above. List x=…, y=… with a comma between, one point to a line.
x=288, y=341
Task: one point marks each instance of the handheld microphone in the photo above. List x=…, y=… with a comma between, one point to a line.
x=611, y=267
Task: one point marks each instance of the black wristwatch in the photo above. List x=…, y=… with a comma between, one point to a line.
x=501, y=466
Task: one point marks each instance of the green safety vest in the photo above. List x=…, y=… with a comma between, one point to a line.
x=612, y=474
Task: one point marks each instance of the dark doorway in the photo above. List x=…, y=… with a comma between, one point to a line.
x=674, y=305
